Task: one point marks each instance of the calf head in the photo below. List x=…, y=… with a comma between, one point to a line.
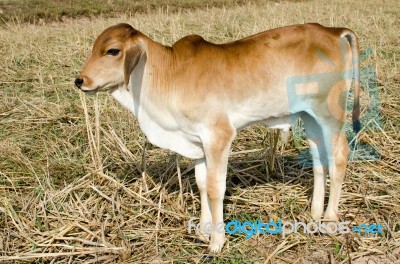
x=115, y=54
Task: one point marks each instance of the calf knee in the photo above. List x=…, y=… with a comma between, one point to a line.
x=341, y=151
x=215, y=188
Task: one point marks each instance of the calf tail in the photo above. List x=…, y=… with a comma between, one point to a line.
x=352, y=39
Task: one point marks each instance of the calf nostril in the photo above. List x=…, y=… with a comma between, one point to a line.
x=78, y=82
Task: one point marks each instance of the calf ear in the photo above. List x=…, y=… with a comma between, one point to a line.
x=132, y=57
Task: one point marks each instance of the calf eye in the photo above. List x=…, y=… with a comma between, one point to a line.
x=113, y=52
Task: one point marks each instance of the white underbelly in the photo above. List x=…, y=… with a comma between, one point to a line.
x=175, y=140
x=161, y=129
x=283, y=123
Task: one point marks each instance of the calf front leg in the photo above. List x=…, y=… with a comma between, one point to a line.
x=216, y=145
x=205, y=215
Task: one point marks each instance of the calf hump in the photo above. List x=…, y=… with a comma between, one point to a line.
x=189, y=44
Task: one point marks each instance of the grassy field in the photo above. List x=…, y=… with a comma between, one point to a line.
x=79, y=182
x=41, y=11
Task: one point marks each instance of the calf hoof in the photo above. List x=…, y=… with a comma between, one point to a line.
x=204, y=237
x=331, y=217
x=316, y=214
x=217, y=242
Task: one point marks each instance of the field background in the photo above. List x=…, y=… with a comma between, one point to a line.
x=80, y=184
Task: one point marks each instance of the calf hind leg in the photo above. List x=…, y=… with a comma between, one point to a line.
x=319, y=156
x=337, y=170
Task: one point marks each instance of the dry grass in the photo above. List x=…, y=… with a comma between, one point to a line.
x=42, y=11
x=79, y=183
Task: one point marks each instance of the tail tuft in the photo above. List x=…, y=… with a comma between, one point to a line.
x=356, y=116
x=356, y=126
